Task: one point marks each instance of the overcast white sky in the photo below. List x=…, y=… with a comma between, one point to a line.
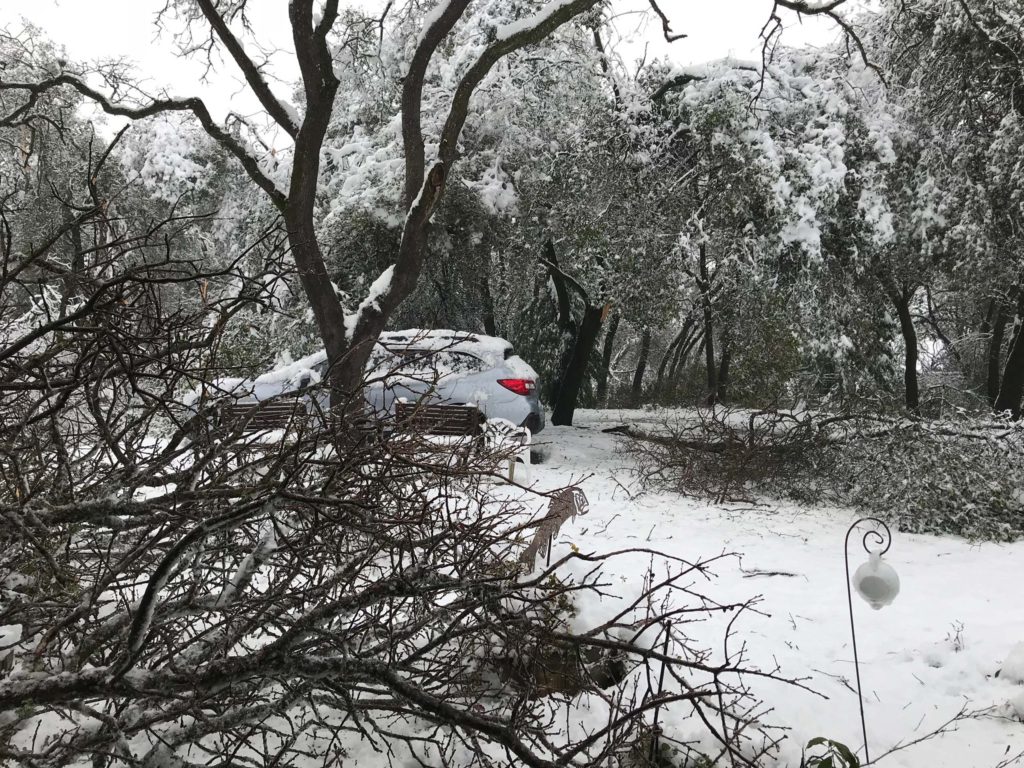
x=124, y=28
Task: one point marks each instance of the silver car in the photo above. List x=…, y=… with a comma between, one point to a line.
x=437, y=366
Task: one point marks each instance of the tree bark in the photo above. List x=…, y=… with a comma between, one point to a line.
x=1012, y=387
x=709, y=330
x=641, y=367
x=70, y=281
x=580, y=339
x=723, y=367
x=901, y=300
x=563, y=318
x=320, y=86
x=562, y=302
x=576, y=370
x=995, y=352
x=670, y=354
x=606, y=359
x=695, y=337
x=985, y=332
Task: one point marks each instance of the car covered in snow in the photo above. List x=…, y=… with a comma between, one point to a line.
x=434, y=366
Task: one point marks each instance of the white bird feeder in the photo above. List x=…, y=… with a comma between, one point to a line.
x=876, y=581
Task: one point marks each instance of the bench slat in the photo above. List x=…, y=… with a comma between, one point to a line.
x=449, y=420
x=256, y=417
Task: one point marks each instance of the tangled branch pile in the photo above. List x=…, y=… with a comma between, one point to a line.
x=957, y=476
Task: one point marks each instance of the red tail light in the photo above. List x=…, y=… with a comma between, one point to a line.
x=519, y=386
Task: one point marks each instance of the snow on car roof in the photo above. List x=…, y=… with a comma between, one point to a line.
x=490, y=348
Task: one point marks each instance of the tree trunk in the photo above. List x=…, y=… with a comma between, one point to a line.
x=995, y=351
x=1012, y=387
x=576, y=369
x=490, y=324
x=562, y=302
x=345, y=373
x=298, y=210
x=683, y=353
x=580, y=339
x=902, y=300
x=567, y=326
x=723, y=367
x=71, y=280
x=985, y=332
x=606, y=359
x=709, y=335
x=670, y=353
x=641, y=366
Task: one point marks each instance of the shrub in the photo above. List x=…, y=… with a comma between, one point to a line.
x=829, y=754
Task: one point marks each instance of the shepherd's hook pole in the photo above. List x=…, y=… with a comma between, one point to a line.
x=879, y=539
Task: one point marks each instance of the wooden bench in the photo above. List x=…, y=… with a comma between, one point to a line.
x=448, y=420
x=249, y=419
x=280, y=413
x=462, y=423
x=231, y=430
x=466, y=421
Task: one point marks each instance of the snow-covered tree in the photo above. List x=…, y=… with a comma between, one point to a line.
x=956, y=67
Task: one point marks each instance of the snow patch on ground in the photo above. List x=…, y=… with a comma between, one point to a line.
x=1013, y=667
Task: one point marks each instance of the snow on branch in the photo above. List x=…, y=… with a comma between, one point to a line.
x=436, y=26
x=826, y=8
x=249, y=566
x=163, y=572
x=810, y=8
x=510, y=38
x=380, y=288
x=193, y=104
x=506, y=31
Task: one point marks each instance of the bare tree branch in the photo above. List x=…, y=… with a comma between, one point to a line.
x=666, y=27
x=412, y=94
x=252, y=73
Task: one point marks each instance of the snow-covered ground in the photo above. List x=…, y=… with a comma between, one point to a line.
x=937, y=648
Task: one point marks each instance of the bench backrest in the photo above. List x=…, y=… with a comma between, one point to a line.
x=270, y=414
x=439, y=419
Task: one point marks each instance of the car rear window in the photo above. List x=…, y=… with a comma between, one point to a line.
x=425, y=363
x=445, y=362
